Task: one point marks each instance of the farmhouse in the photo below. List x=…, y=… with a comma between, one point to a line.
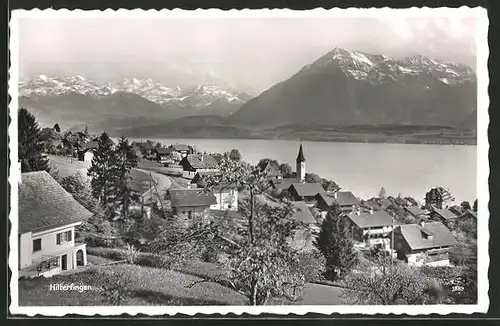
x=184, y=150
x=427, y=243
x=345, y=199
x=86, y=154
x=417, y=212
x=226, y=195
x=439, y=198
x=305, y=191
x=370, y=227
x=193, y=204
x=142, y=185
x=193, y=163
x=47, y=219
x=444, y=215
x=162, y=154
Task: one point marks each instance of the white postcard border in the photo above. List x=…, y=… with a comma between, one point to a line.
x=482, y=162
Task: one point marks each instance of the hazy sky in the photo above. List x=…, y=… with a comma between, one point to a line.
x=250, y=53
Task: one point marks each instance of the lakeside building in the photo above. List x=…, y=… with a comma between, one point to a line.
x=194, y=163
x=345, y=199
x=427, y=243
x=417, y=212
x=162, y=154
x=372, y=227
x=439, y=197
x=182, y=149
x=48, y=215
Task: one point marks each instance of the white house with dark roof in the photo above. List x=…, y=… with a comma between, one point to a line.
x=427, y=243
x=372, y=227
x=193, y=163
x=48, y=215
x=191, y=204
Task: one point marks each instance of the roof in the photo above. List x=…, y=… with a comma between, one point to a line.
x=303, y=213
x=90, y=145
x=44, y=204
x=413, y=234
x=446, y=213
x=145, y=145
x=300, y=156
x=191, y=197
x=283, y=184
x=416, y=211
x=307, y=189
x=201, y=161
x=163, y=150
x=367, y=219
x=343, y=198
x=180, y=147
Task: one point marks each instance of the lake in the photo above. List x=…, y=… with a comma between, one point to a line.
x=363, y=168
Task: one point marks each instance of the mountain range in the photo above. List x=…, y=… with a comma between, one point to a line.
x=77, y=99
x=339, y=90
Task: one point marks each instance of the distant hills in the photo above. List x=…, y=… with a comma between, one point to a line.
x=342, y=95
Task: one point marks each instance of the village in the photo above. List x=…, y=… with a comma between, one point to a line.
x=179, y=187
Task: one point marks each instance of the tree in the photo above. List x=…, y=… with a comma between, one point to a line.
x=30, y=148
x=285, y=169
x=79, y=188
x=329, y=185
x=50, y=139
x=57, y=128
x=382, y=193
x=474, y=207
x=387, y=283
x=333, y=242
x=104, y=173
x=262, y=162
x=312, y=178
x=86, y=130
x=465, y=205
x=235, y=155
x=126, y=160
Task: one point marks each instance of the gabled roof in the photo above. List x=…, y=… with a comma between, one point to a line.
x=445, y=213
x=163, y=150
x=416, y=211
x=440, y=236
x=368, y=220
x=307, y=189
x=191, y=197
x=283, y=184
x=342, y=198
x=45, y=205
x=201, y=161
x=303, y=213
x=180, y=147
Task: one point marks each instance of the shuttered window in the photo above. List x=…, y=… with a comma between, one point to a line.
x=37, y=245
x=64, y=237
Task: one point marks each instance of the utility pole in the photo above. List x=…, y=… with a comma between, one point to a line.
x=392, y=241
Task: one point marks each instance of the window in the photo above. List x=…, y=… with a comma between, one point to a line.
x=64, y=237
x=37, y=245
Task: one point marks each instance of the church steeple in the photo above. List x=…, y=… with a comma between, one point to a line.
x=300, y=157
x=301, y=166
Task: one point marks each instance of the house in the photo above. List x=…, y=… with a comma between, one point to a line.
x=303, y=236
x=345, y=199
x=370, y=227
x=271, y=169
x=184, y=150
x=444, y=215
x=142, y=185
x=162, y=154
x=48, y=215
x=305, y=191
x=417, y=212
x=191, y=204
x=193, y=163
x=282, y=184
x=86, y=154
x=427, y=243
x=226, y=195
x=439, y=198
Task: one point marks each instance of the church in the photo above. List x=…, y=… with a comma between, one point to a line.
x=296, y=186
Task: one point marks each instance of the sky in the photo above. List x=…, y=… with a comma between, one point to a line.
x=249, y=53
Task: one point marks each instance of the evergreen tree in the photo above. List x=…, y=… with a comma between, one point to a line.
x=333, y=242
x=235, y=154
x=86, y=131
x=285, y=169
x=104, y=172
x=77, y=186
x=126, y=160
x=57, y=128
x=30, y=147
x=474, y=207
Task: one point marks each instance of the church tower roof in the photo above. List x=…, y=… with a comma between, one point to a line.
x=300, y=157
